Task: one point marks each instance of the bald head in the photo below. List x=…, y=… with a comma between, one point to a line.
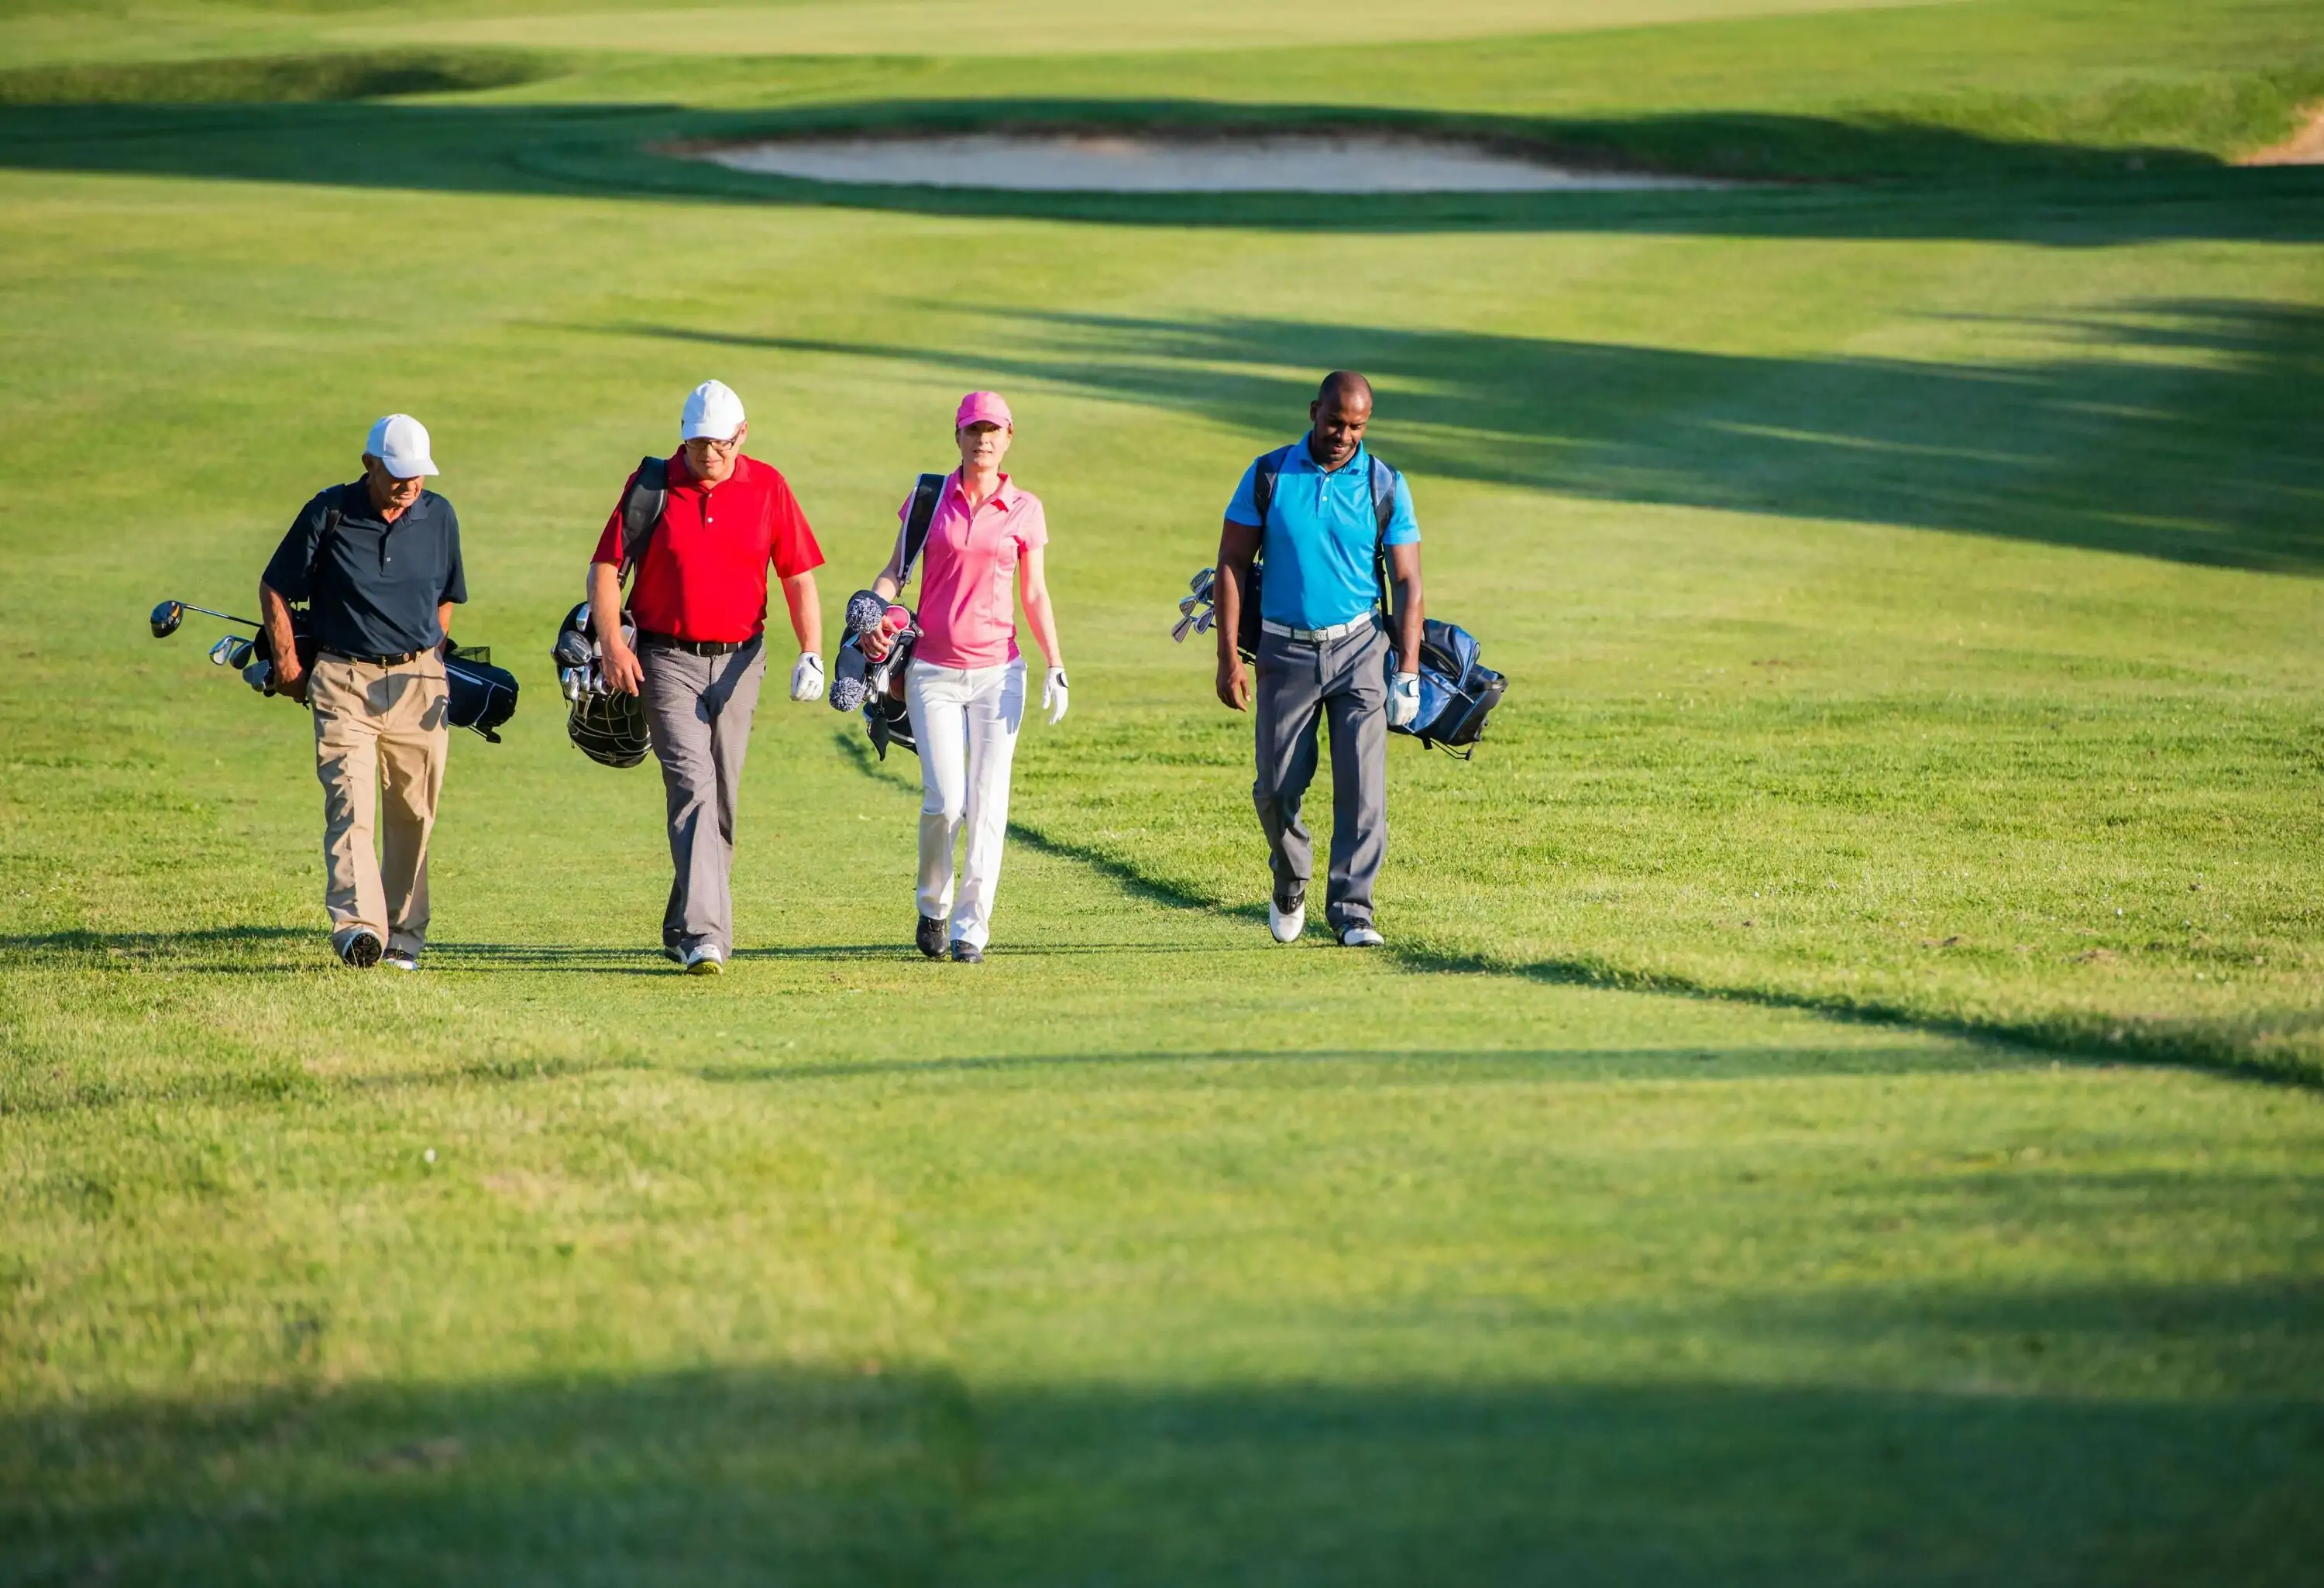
x=1342, y=409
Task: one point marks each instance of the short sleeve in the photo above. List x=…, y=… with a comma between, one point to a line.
x=455, y=572
x=1402, y=527
x=286, y=570
x=609, y=539
x=1243, y=509
x=1032, y=527
x=794, y=549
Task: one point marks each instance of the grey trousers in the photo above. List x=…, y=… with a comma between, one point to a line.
x=700, y=709
x=1300, y=684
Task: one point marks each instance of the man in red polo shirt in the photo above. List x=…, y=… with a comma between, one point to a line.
x=699, y=603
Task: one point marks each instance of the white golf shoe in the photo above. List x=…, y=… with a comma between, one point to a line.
x=1361, y=937
x=704, y=959
x=1287, y=924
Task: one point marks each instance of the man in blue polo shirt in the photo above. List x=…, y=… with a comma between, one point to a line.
x=1311, y=515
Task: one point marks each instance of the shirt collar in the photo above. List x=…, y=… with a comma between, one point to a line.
x=1004, y=493
x=681, y=474
x=356, y=502
x=1301, y=454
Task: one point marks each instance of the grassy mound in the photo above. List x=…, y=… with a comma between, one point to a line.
x=269, y=79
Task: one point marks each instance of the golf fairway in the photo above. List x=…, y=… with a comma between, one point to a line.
x=1840, y=1103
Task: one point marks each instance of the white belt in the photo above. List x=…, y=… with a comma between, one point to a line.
x=1354, y=626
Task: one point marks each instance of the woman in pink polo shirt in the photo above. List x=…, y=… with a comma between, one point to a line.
x=966, y=688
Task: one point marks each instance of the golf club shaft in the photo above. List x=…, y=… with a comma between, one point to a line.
x=246, y=622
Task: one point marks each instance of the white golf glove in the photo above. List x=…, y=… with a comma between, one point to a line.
x=1053, y=696
x=806, y=677
x=1404, y=700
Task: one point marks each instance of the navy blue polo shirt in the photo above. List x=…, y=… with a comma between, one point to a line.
x=373, y=587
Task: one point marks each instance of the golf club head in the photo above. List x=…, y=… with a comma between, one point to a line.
x=1201, y=583
x=260, y=676
x=573, y=649
x=1186, y=605
x=1182, y=628
x=166, y=618
x=1204, y=620
x=222, y=653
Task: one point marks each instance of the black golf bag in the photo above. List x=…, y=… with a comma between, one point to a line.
x=480, y=697
x=605, y=723
x=483, y=697
x=876, y=689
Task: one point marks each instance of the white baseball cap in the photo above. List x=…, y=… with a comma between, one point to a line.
x=712, y=410
x=399, y=442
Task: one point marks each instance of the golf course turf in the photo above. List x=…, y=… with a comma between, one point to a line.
x=1843, y=1099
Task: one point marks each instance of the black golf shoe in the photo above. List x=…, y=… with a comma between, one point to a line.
x=361, y=948
x=965, y=953
x=931, y=936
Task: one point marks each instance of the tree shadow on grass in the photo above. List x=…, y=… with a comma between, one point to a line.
x=885, y=1476
x=1484, y=1065
x=1953, y=184
x=2181, y=429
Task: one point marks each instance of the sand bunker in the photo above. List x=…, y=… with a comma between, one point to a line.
x=1093, y=164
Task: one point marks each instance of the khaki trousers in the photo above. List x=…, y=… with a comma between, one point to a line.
x=379, y=727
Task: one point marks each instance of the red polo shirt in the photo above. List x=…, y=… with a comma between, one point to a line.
x=705, y=573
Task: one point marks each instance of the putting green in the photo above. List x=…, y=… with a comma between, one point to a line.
x=1839, y=1105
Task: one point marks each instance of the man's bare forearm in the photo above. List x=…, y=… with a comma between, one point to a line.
x=275, y=614
x=606, y=603
x=1411, y=607
x=806, y=610
x=1231, y=582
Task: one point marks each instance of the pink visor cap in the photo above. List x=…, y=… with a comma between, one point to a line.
x=982, y=408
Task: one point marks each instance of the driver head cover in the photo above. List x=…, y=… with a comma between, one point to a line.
x=399, y=442
x=711, y=410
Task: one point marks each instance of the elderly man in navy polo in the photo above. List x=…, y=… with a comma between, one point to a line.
x=1320, y=517
x=378, y=563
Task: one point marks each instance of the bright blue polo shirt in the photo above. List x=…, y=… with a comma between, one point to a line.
x=1318, y=536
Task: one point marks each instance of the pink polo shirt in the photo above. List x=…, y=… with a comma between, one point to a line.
x=968, y=574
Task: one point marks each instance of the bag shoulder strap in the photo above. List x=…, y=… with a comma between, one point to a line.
x=641, y=510
x=331, y=516
x=1383, y=514
x=1265, y=468
x=925, y=494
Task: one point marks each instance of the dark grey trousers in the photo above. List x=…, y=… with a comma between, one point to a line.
x=700, y=708
x=1299, y=685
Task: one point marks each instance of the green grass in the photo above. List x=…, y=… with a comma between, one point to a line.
x=1842, y=1105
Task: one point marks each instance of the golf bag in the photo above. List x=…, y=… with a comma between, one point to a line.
x=480, y=697
x=605, y=723
x=483, y=697
x=1457, y=691
x=876, y=689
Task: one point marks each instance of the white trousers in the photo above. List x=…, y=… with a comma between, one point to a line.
x=965, y=720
